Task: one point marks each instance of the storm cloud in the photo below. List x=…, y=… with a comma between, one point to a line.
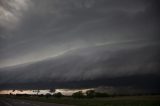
x=76, y=44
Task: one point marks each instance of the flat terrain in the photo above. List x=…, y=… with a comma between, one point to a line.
x=110, y=101
x=17, y=102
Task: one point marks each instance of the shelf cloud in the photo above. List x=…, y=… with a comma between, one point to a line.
x=79, y=43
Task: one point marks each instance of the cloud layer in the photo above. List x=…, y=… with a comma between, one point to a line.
x=82, y=42
x=12, y=12
x=98, y=63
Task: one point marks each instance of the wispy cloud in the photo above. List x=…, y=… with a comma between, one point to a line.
x=11, y=12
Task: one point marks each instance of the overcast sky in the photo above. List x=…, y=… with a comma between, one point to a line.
x=82, y=42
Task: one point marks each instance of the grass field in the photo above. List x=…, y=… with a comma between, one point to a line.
x=110, y=101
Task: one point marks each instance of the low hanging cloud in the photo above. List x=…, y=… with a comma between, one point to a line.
x=79, y=43
x=85, y=65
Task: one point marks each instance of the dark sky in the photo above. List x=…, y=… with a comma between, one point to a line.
x=79, y=43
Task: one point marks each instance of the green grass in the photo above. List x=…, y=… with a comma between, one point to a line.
x=115, y=101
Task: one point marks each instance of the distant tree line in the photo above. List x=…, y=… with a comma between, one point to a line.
x=89, y=94
x=47, y=95
x=79, y=94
